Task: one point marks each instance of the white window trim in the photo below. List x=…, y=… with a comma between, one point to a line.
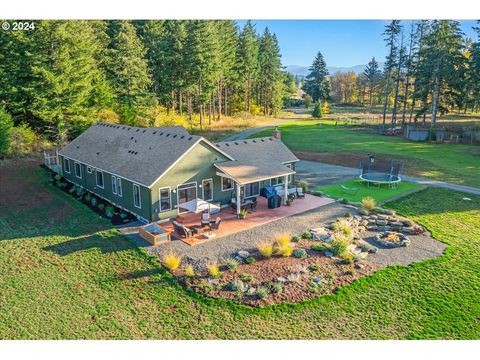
x=66, y=161
x=119, y=187
x=89, y=169
x=114, y=184
x=160, y=198
x=139, y=206
x=221, y=184
x=96, y=179
x=203, y=187
x=75, y=163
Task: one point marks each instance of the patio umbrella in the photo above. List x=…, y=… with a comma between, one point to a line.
x=198, y=205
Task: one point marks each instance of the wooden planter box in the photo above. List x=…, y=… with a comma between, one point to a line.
x=155, y=234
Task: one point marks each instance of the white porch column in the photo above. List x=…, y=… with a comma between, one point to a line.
x=285, y=196
x=238, y=199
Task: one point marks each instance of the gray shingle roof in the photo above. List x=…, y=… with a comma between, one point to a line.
x=266, y=150
x=137, y=154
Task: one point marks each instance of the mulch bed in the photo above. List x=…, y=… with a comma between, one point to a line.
x=333, y=272
x=116, y=219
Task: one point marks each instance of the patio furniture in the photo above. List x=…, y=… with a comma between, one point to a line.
x=198, y=205
x=198, y=229
x=205, y=221
x=215, y=225
x=300, y=193
x=154, y=234
x=182, y=230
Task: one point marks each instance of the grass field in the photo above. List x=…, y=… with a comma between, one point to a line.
x=64, y=273
x=452, y=163
x=380, y=194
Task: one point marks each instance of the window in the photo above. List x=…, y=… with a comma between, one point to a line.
x=119, y=187
x=114, y=184
x=137, y=201
x=89, y=170
x=78, y=170
x=252, y=189
x=207, y=189
x=99, y=178
x=165, y=199
x=227, y=184
x=66, y=165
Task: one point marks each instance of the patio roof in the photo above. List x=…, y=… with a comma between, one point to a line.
x=244, y=173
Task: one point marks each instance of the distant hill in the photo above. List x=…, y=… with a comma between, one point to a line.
x=303, y=70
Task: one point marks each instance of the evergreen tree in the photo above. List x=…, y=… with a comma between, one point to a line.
x=318, y=110
x=473, y=77
x=6, y=126
x=316, y=83
x=372, y=73
x=391, y=33
x=128, y=71
x=248, y=61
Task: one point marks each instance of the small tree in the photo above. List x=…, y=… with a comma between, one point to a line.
x=307, y=101
x=325, y=108
x=6, y=127
x=317, y=111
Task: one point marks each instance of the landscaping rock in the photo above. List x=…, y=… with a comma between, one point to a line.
x=359, y=266
x=382, y=222
x=243, y=254
x=328, y=254
x=213, y=281
x=281, y=280
x=326, y=238
x=397, y=224
x=239, y=259
x=251, y=291
x=373, y=250
x=382, y=217
x=372, y=228
x=373, y=217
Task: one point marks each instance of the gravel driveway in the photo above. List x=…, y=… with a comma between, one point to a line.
x=421, y=247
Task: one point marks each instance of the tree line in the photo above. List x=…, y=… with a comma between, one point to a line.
x=61, y=77
x=431, y=68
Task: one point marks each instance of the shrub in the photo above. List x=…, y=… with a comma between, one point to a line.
x=319, y=247
x=296, y=238
x=339, y=244
x=265, y=249
x=307, y=235
x=6, y=129
x=300, y=253
x=282, y=239
x=369, y=203
x=363, y=212
x=123, y=215
x=172, y=261
x=236, y=285
x=344, y=201
x=313, y=289
x=286, y=250
x=304, y=185
x=189, y=271
x=342, y=226
x=22, y=139
x=262, y=293
x=246, y=277
x=232, y=264
x=214, y=270
x=314, y=267
x=250, y=260
x=72, y=190
x=347, y=258
x=101, y=206
x=277, y=288
x=93, y=201
x=79, y=191
x=58, y=177
x=347, y=214
x=317, y=111
x=109, y=210
x=88, y=197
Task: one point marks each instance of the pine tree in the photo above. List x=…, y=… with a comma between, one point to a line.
x=473, y=75
x=128, y=71
x=316, y=83
x=399, y=70
x=391, y=33
x=317, y=110
x=372, y=73
x=248, y=61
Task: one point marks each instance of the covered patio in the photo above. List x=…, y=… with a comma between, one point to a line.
x=231, y=223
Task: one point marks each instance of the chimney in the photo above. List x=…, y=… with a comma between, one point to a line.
x=277, y=134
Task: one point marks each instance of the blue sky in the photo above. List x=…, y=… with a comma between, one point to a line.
x=342, y=42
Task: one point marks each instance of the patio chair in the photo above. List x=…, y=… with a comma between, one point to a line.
x=214, y=225
x=300, y=193
x=182, y=230
x=349, y=190
x=205, y=221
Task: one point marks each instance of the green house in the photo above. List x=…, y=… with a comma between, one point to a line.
x=150, y=171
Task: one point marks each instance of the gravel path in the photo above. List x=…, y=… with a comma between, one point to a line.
x=421, y=247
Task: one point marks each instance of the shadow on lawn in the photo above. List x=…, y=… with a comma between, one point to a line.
x=106, y=244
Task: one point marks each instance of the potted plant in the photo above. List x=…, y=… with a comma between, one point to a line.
x=243, y=213
x=290, y=199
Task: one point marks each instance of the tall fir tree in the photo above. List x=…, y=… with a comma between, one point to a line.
x=372, y=73
x=316, y=83
x=248, y=61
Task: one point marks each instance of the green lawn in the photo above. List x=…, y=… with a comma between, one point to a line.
x=453, y=163
x=66, y=274
x=380, y=194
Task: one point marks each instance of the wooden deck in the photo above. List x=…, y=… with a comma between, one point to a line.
x=231, y=224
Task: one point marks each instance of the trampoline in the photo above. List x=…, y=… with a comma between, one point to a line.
x=381, y=174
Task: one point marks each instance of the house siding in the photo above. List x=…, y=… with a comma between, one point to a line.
x=88, y=181
x=195, y=166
